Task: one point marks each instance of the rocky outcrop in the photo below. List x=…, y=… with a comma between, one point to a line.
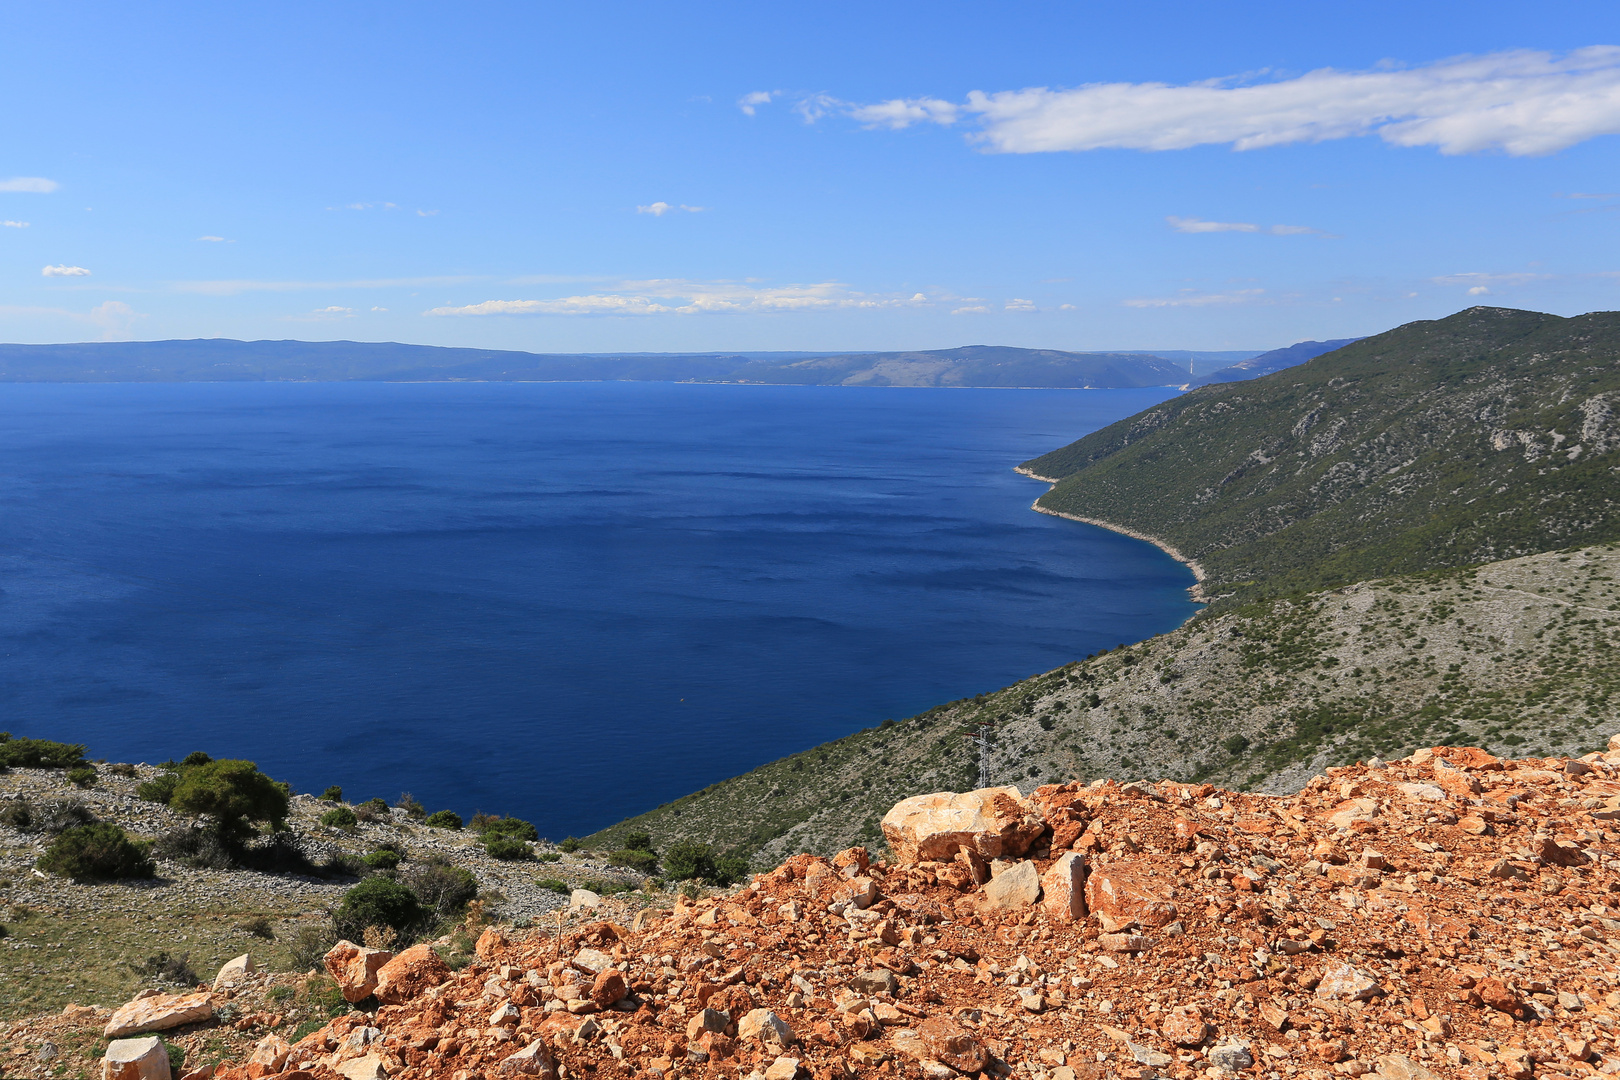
x=136, y=1059
x=1220, y=934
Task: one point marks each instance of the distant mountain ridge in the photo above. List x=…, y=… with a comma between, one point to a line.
x=1490, y=434
x=1268, y=362
x=225, y=360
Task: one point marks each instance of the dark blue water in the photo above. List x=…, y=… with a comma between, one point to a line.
x=569, y=602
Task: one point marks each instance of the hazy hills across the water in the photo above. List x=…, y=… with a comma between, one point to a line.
x=1486, y=435
x=1522, y=657
x=224, y=360
x=1275, y=360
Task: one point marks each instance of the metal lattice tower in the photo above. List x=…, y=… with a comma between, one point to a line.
x=981, y=739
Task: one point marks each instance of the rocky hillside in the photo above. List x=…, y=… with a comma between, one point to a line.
x=973, y=365
x=1446, y=915
x=1479, y=437
x=1521, y=655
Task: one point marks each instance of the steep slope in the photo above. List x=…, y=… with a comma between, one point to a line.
x=1522, y=655
x=1482, y=436
x=974, y=365
x=1269, y=362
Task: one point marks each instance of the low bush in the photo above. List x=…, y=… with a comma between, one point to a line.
x=332, y=794
x=413, y=809
x=342, y=864
x=310, y=943
x=321, y=995
x=122, y=768
x=340, y=817
x=481, y=821
x=200, y=849
x=233, y=792
x=549, y=856
x=506, y=848
x=382, y=860
x=380, y=901
x=19, y=814
x=21, y=753
x=59, y=815
x=159, y=789
x=83, y=776
x=89, y=852
x=376, y=806
x=260, y=927
x=554, y=885
x=277, y=853
x=688, y=859
x=570, y=844
x=443, y=888
x=167, y=969
x=443, y=819
x=511, y=827
x=645, y=861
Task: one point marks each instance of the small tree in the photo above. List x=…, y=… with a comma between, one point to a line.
x=514, y=828
x=234, y=792
x=444, y=819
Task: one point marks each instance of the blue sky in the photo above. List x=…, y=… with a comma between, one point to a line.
x=604, y=176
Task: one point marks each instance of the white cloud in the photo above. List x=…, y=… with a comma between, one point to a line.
x=677, y=297
x=13, y=224
x=64, y=270
x=1021, y=305
x=1520, y=102
x=233, y=288
x=659, y=209
x=1479, y=284
x=974, y=309
x=325, y=314
x=427, y=213
x=1196, y=225
x=212, y=239
x=366, y=206
x=379, y=309
x=115, y=318
x=1067, y=307
x=748, y=103
x=35, y=185
x=1478, y=290
x=1192, y=298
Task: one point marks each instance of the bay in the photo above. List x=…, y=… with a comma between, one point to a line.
x=569, y=602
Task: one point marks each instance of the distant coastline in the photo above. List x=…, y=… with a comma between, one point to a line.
x=1196, y=590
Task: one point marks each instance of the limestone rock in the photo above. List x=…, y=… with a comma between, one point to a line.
x=609, y=988
x=881, y=981
x=583, y=898
x=369, y=1067
x=1063, y=888
x=354, y=968
x=992, y=823
x=1127, y=892
x=1232, y=1056
x=410, y=973
x=594, y=961
x=159, y=1012
x=491, y=941
x=1016, y=887
x=1396, y=1067
x=1342, y=982
x=1185, y=1026
x=783, y=1068
x=136, y=1059
x=947, y=1041
x=271, y=1052
x=235, y=972
x=768, y=1028
x=533, y=1060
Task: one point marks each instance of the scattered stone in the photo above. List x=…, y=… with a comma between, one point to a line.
x=992, y=823
x=1018, y=886
x=234, y=972
x=583, y=899
x=409, y=973
x=1063, y=888
x=1342, y=982
x=159, y=1012
x=766, y=1027
x=136, y=1059
x=354, y=968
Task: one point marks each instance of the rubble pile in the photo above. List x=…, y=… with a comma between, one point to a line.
x=1443, y=915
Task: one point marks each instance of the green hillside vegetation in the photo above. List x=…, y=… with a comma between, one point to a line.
x=1479, y=437
x=1521, y=657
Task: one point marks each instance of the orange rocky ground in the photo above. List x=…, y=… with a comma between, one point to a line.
x=1444, y=915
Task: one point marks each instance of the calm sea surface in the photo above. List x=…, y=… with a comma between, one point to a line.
x=569, y=602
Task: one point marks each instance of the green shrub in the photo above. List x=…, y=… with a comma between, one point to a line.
x=19, y=814
x=443, y=819
x=56, y=816
x=638, y=841
x=645, y=861
x=443, y=887
x=177, y=1055
x=162, y=967
x=379, y=901
x=195, y=758
x=339, y=817
x=554, y=885
x=88, y=852
x=549, y=856
x=310, y=942
x=200, y=849
x=506, y=848
x=332, y=794
x=382, y=860
x=234, y=792
x=413, y=809
x=123, y=769
x=687, y=859
x=730, y=870
x=21, y=753
x=376, y=806
x=511, y=827
x=1235, y=744
x=570, y=844
x=159, y=789
x=83, y=776
x=308, y=1027
x=260, y=927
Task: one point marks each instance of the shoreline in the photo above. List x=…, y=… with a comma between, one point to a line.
x=1195, y=590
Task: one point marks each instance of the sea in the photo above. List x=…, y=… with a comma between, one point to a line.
x=569, y=602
